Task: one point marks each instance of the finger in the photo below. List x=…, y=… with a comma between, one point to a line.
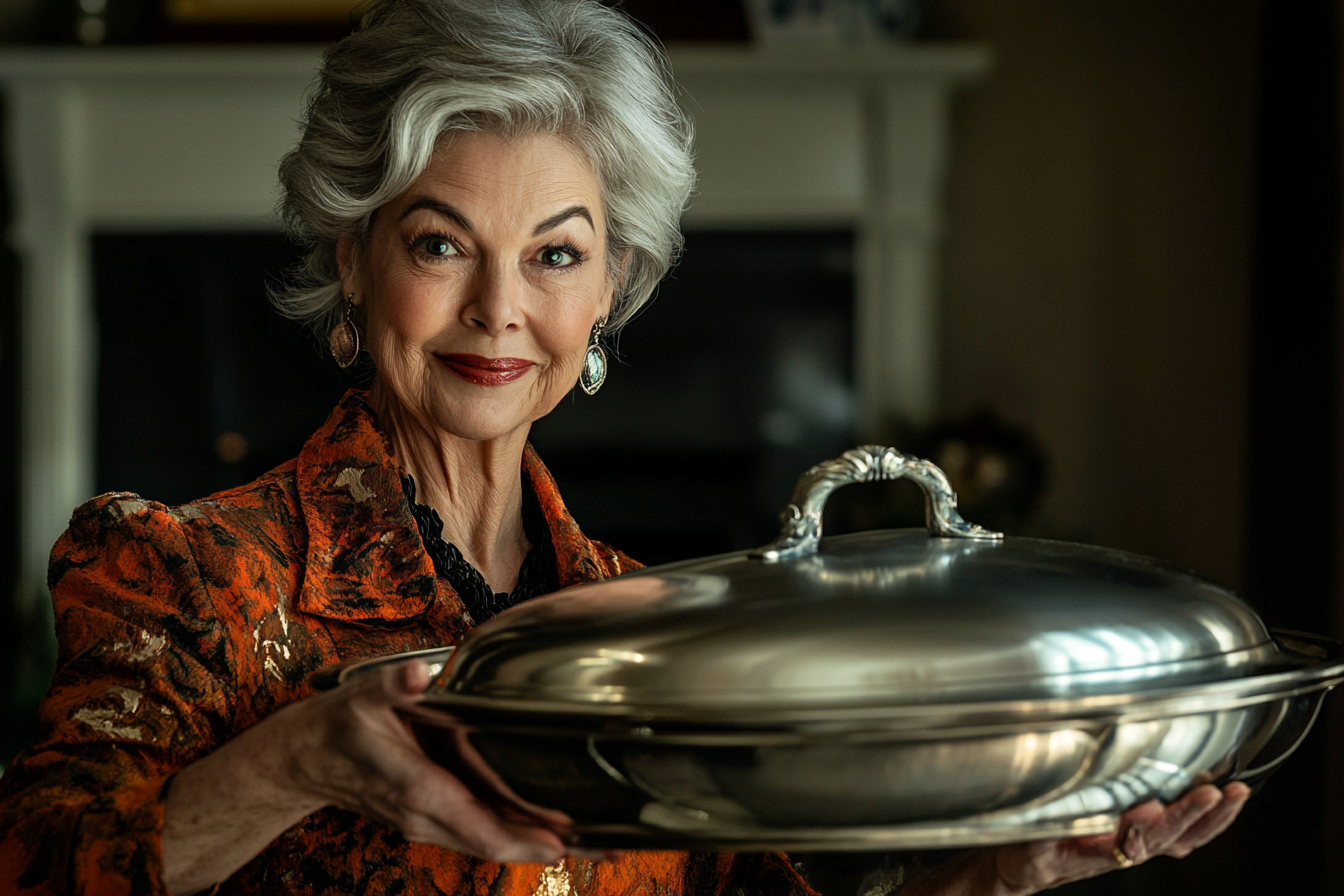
x=497, y=790
x=414, y=676
x=1143, y=815
x=512, y=842
x=1217, y=820
x=1153, y=836
x=471, y=827
x=1130, y=832
x=399, y=685
x=433, y=806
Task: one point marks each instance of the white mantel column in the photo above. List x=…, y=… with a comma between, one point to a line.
x=899, y=235
x=58, y=347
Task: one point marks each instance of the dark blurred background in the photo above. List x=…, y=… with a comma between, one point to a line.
x=1140, y=337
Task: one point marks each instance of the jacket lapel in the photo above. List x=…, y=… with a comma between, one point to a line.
x=365, y=559
x=575, y=557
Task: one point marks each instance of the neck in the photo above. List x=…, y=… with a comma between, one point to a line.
x=475, y=486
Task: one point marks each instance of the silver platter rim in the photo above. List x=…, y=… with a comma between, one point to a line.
x=1324, y=669
x=987, y=830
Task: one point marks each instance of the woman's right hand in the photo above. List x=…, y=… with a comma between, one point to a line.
x=347, y=748
x=354, y=752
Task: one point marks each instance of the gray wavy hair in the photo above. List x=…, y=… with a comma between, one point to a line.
x=416, y=70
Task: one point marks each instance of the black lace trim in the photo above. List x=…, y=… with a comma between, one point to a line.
x=537, y=575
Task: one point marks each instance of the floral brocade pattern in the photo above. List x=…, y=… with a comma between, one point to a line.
x=179, y=627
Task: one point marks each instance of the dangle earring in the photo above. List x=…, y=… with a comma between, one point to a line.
x=594, y=372
x=344, y=337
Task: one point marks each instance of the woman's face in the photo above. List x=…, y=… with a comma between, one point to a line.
x=483, y=281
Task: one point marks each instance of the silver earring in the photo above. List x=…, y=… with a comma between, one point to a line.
x=344, y=337
x=594, y=372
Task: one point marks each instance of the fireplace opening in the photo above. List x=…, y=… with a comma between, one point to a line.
x=734, y=380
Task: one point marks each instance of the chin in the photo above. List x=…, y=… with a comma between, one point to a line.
x=480, y=421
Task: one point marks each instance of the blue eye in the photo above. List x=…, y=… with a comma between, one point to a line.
x=558, y=256
x=438, y=247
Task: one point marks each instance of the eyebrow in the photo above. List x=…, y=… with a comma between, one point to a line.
x=452, y=214
x=441, y=208
x=554, y=221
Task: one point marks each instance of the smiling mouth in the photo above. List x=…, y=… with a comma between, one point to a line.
x=480, y=371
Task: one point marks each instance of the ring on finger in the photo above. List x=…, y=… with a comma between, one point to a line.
x=1121, y=859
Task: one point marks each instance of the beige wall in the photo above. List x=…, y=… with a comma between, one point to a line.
x=1097, y=262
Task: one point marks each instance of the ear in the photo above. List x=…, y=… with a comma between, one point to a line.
x=345, y=262
x=620, y=285
x=625, y=263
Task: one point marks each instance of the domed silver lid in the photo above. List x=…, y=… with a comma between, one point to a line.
x=885, y=619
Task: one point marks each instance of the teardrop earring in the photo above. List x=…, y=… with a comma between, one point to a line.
x=594, y=372
x=343, y=340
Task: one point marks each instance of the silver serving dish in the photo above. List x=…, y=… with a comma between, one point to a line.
x=885, y=690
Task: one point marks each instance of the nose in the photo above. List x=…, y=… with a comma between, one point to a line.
x=495, y=304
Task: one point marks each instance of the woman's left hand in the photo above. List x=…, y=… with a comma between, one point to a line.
x=1145, y=831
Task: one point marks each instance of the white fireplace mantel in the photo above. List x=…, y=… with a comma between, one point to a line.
x=189, y=138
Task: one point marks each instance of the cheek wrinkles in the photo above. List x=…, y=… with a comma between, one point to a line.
x=558, y=378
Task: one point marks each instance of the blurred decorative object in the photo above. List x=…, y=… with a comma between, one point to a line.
x=998, y=469
x=91, y=27
x=251, y=12
x=831, y=22
x=90, y=23
x=231, y=447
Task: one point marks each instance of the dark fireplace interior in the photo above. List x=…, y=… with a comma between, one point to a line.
x=734, y=380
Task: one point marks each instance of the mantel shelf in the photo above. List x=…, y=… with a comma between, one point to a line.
x=954, y=62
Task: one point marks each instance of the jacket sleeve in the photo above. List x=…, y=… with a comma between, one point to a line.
x=142, y=688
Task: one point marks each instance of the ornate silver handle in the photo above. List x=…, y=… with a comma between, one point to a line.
x=802, y=519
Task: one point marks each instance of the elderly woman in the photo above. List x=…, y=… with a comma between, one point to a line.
x=487, y=187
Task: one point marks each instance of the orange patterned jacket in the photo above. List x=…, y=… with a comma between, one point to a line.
x=179, y=627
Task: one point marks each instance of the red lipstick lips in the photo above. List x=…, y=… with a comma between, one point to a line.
x=481, y=371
